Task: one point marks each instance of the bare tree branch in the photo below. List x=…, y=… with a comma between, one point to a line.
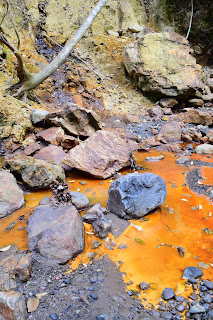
x=190, y=23
x=21, y=72
x=34, y=80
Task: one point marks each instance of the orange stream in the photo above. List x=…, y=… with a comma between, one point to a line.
x=175, y=223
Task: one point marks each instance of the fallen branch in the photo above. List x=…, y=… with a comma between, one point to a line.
x=30, y=81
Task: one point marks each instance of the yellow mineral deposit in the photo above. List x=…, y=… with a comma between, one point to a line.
x=151, y=254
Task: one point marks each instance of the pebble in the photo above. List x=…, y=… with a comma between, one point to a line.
x=197, y=309
x=102, y=317
x=94, y=296
x=192, y=272
x=208, y=284
x=180, y=307
x=168, y=293
x=67, y=281
x=193, y=296
x=203, y=288
x=207, y=298
x=179, y=298
x=167, y=315
x=192, y=280
x=144, y=286
x=122, y=246
x=54, y=316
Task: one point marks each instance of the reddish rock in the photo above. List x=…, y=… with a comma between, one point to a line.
x=196, y=136
x=69, y=142
x=52, y=135
x=210, y=135
x=102, y=155
x=196, y=116
x=155, y=112
x=170, y=147
x=196, y=102
x=52, y=153
x=186, y=138
x=171, y=131
x=32, y=148
x=12, y=305
x=56, y=233
x=75, y=120
x=168, y=102
x=13, y=267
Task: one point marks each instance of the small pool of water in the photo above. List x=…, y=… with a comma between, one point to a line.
x=178, y=222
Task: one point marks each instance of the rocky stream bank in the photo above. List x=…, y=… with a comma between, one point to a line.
x=121, y=161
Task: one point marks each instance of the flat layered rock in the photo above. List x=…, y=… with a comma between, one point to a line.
x=101, y=155
x=11, y=196
x=56, y=233
x=52, y=153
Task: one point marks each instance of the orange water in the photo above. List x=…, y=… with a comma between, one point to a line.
x=174, y=224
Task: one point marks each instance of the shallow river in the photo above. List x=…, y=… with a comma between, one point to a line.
x=178, y=222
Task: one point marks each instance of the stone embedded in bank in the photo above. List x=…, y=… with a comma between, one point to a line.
x=11, y=196
x=136, y=194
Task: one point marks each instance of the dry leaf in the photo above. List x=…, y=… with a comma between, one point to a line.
x=137, y=227
x=180, y=289
x=40, y=295
x=32, y=304
x=203, y=265
x=5, y=248
x=139, y=241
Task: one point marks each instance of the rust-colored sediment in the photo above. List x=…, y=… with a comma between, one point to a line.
x=179, y=222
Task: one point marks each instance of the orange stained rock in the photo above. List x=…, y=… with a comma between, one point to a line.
x=178, y=222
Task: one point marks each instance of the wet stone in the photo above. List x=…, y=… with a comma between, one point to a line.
x=192, y=272
x=197, y=309
x=179, y=298
x=54, y=316
x=144, y=286
x=192, y=280
x=102, y=317
x=79, y=200
x=168, y=293
x=208, y=284
x=193, y=296
x=207, y=298
x=167, y=315
x=180, y=307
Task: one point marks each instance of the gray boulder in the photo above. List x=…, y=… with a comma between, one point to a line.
x=79, y=200
x=11, y=196
x=56, y=233
x=136, y=194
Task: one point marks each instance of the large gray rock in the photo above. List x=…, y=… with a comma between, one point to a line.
x=56, y=233
x=11, y=196
x=35, y=173
x=136, y=194
x=162, y=65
